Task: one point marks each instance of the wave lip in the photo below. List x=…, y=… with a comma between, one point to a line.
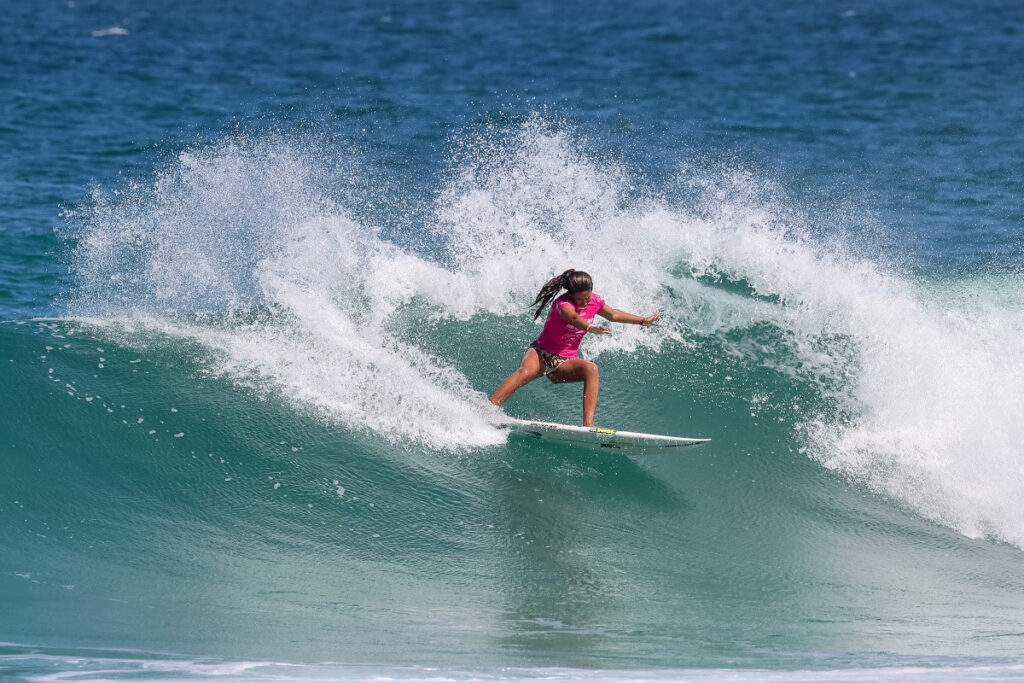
x=934, y=409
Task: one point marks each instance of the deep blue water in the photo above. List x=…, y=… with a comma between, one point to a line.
x=230, y=231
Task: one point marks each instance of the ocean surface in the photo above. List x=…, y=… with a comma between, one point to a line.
x=261, y=263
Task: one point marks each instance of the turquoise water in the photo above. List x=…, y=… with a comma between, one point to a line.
x=263, y=264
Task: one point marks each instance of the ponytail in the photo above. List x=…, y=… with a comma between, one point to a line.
x=572, y=280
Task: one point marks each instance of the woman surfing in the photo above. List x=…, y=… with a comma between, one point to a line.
x=555, y=353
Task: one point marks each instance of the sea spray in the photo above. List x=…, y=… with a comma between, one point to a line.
x=242, y=247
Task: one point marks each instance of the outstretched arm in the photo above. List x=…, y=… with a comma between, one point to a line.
x=617, y=316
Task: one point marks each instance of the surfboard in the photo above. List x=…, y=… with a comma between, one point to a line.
x=595, y=436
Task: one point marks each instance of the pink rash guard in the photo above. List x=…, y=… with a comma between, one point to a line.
x=558, y=336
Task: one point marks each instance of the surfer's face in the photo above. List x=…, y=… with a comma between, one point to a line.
x=581, y=299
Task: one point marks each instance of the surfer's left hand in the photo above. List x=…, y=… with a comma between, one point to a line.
x=651, y=319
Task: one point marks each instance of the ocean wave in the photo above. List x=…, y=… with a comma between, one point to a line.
x=916, y=390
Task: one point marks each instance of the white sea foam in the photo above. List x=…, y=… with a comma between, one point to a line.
x=927, y=382
x=112, y=31
x=49, y=668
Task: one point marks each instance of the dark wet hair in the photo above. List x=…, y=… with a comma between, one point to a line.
x=573, y=280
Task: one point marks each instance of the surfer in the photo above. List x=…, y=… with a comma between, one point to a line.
x=555, y=353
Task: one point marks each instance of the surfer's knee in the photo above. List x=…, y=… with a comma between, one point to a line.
x=590, y=371
x=526, y=375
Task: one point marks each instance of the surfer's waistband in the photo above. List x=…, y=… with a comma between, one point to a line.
x=550, y=360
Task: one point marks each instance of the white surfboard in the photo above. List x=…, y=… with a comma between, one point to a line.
x=595, y=436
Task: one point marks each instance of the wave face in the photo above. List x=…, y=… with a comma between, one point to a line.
x=260, y=400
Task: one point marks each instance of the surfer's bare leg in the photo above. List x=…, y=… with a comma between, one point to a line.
x=579, y=370
x=530, y=369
